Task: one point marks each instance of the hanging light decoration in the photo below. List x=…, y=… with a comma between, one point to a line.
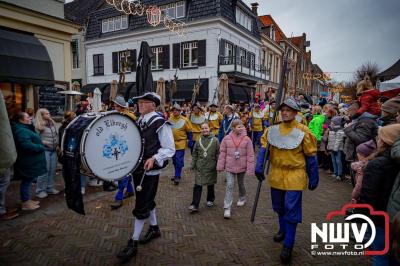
x=153, y=15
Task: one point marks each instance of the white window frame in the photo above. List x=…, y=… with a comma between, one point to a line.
x=183, y=5
x=75, y=56
x=122, y=55
x=114, y=24
x=190, y=46
x=171, y=10
x=158, y=53
x=243, y=19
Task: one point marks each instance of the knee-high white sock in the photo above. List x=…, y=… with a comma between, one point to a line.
x=153, y=218
x=137, y=229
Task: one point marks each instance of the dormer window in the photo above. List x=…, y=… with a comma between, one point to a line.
x=174, y=10
x=244, y=19
x=272, y=33
x=114, y=24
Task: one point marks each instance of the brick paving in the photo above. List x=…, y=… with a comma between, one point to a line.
x=54, y=235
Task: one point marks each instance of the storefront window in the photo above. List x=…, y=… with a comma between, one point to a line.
x=13, y=97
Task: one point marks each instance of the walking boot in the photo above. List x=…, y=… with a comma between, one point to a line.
x=129, y=251
x=286, y=255
x=152, y=233
x=116, y=204
x=279, y=237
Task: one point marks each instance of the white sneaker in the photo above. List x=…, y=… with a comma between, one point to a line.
x=241, y=203
x=227, y=214
x=210, y=203
x=53, y=191
x=83, y=190
x=191, y=207
x=333, y=175
x=41, y=195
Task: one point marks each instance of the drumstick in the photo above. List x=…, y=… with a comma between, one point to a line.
x=139, y=188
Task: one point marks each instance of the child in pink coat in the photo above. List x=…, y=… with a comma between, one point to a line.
x=363, y=151
x=236, y=158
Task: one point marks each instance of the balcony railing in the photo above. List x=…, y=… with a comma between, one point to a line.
x=245, y=66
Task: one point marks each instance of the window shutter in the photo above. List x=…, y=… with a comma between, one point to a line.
x=176, y=55
x=166, y=57
x=222, y=47
x=133, y=60
x=202, y=52
x=115, y=62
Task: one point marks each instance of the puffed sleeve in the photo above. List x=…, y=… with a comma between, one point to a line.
x=309, y=143
x=264, y=138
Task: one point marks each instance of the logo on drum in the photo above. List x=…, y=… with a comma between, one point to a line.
x=115, y=147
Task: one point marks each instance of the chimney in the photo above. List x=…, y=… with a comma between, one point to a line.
x=254, y=7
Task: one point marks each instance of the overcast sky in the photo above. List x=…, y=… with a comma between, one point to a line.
x=343, y=33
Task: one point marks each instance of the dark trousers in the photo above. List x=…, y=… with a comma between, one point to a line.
x=197, y=194
x=144, y=202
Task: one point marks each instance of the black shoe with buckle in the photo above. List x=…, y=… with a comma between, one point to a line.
x=128, y=252
x=152, y=233
x=279, y=237
x=286, y=255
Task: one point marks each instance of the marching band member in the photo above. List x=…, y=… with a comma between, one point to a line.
x=292, y=154
x=182, y=132
x=121, y=106
x=226, y=125
x=158, y=148
x=196, y=120
x=214, y=118
x=258, y=120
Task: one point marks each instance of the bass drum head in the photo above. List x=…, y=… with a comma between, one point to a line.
x=112, y=146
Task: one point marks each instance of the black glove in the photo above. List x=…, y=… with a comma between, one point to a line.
x=260, y=176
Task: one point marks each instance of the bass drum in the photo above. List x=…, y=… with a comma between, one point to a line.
x=110, y=144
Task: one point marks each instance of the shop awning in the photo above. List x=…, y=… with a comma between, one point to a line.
x=185, y=90
x=24, y=59
x=238, y=93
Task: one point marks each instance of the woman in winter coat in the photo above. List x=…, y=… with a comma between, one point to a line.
x=31, y=160
x=393, y=208
x=46, y=127
x=204, y=163
x=379, y=176
x=236, y=158
x=335, y=146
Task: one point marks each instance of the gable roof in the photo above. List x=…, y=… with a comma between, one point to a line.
x=195, y=10
x=78, y=10
x=267, y=21
x=296, y=40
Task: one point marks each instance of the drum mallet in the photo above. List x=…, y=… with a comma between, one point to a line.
x=139, y=188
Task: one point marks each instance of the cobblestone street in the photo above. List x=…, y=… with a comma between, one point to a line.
x=55, y=235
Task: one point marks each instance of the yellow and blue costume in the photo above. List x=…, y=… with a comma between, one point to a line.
x=258, y=121
x=182, y=131
x=293, y=166
x=196, y=120
x=214, y=120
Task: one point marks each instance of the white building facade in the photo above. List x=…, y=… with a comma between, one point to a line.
x=211, y=46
